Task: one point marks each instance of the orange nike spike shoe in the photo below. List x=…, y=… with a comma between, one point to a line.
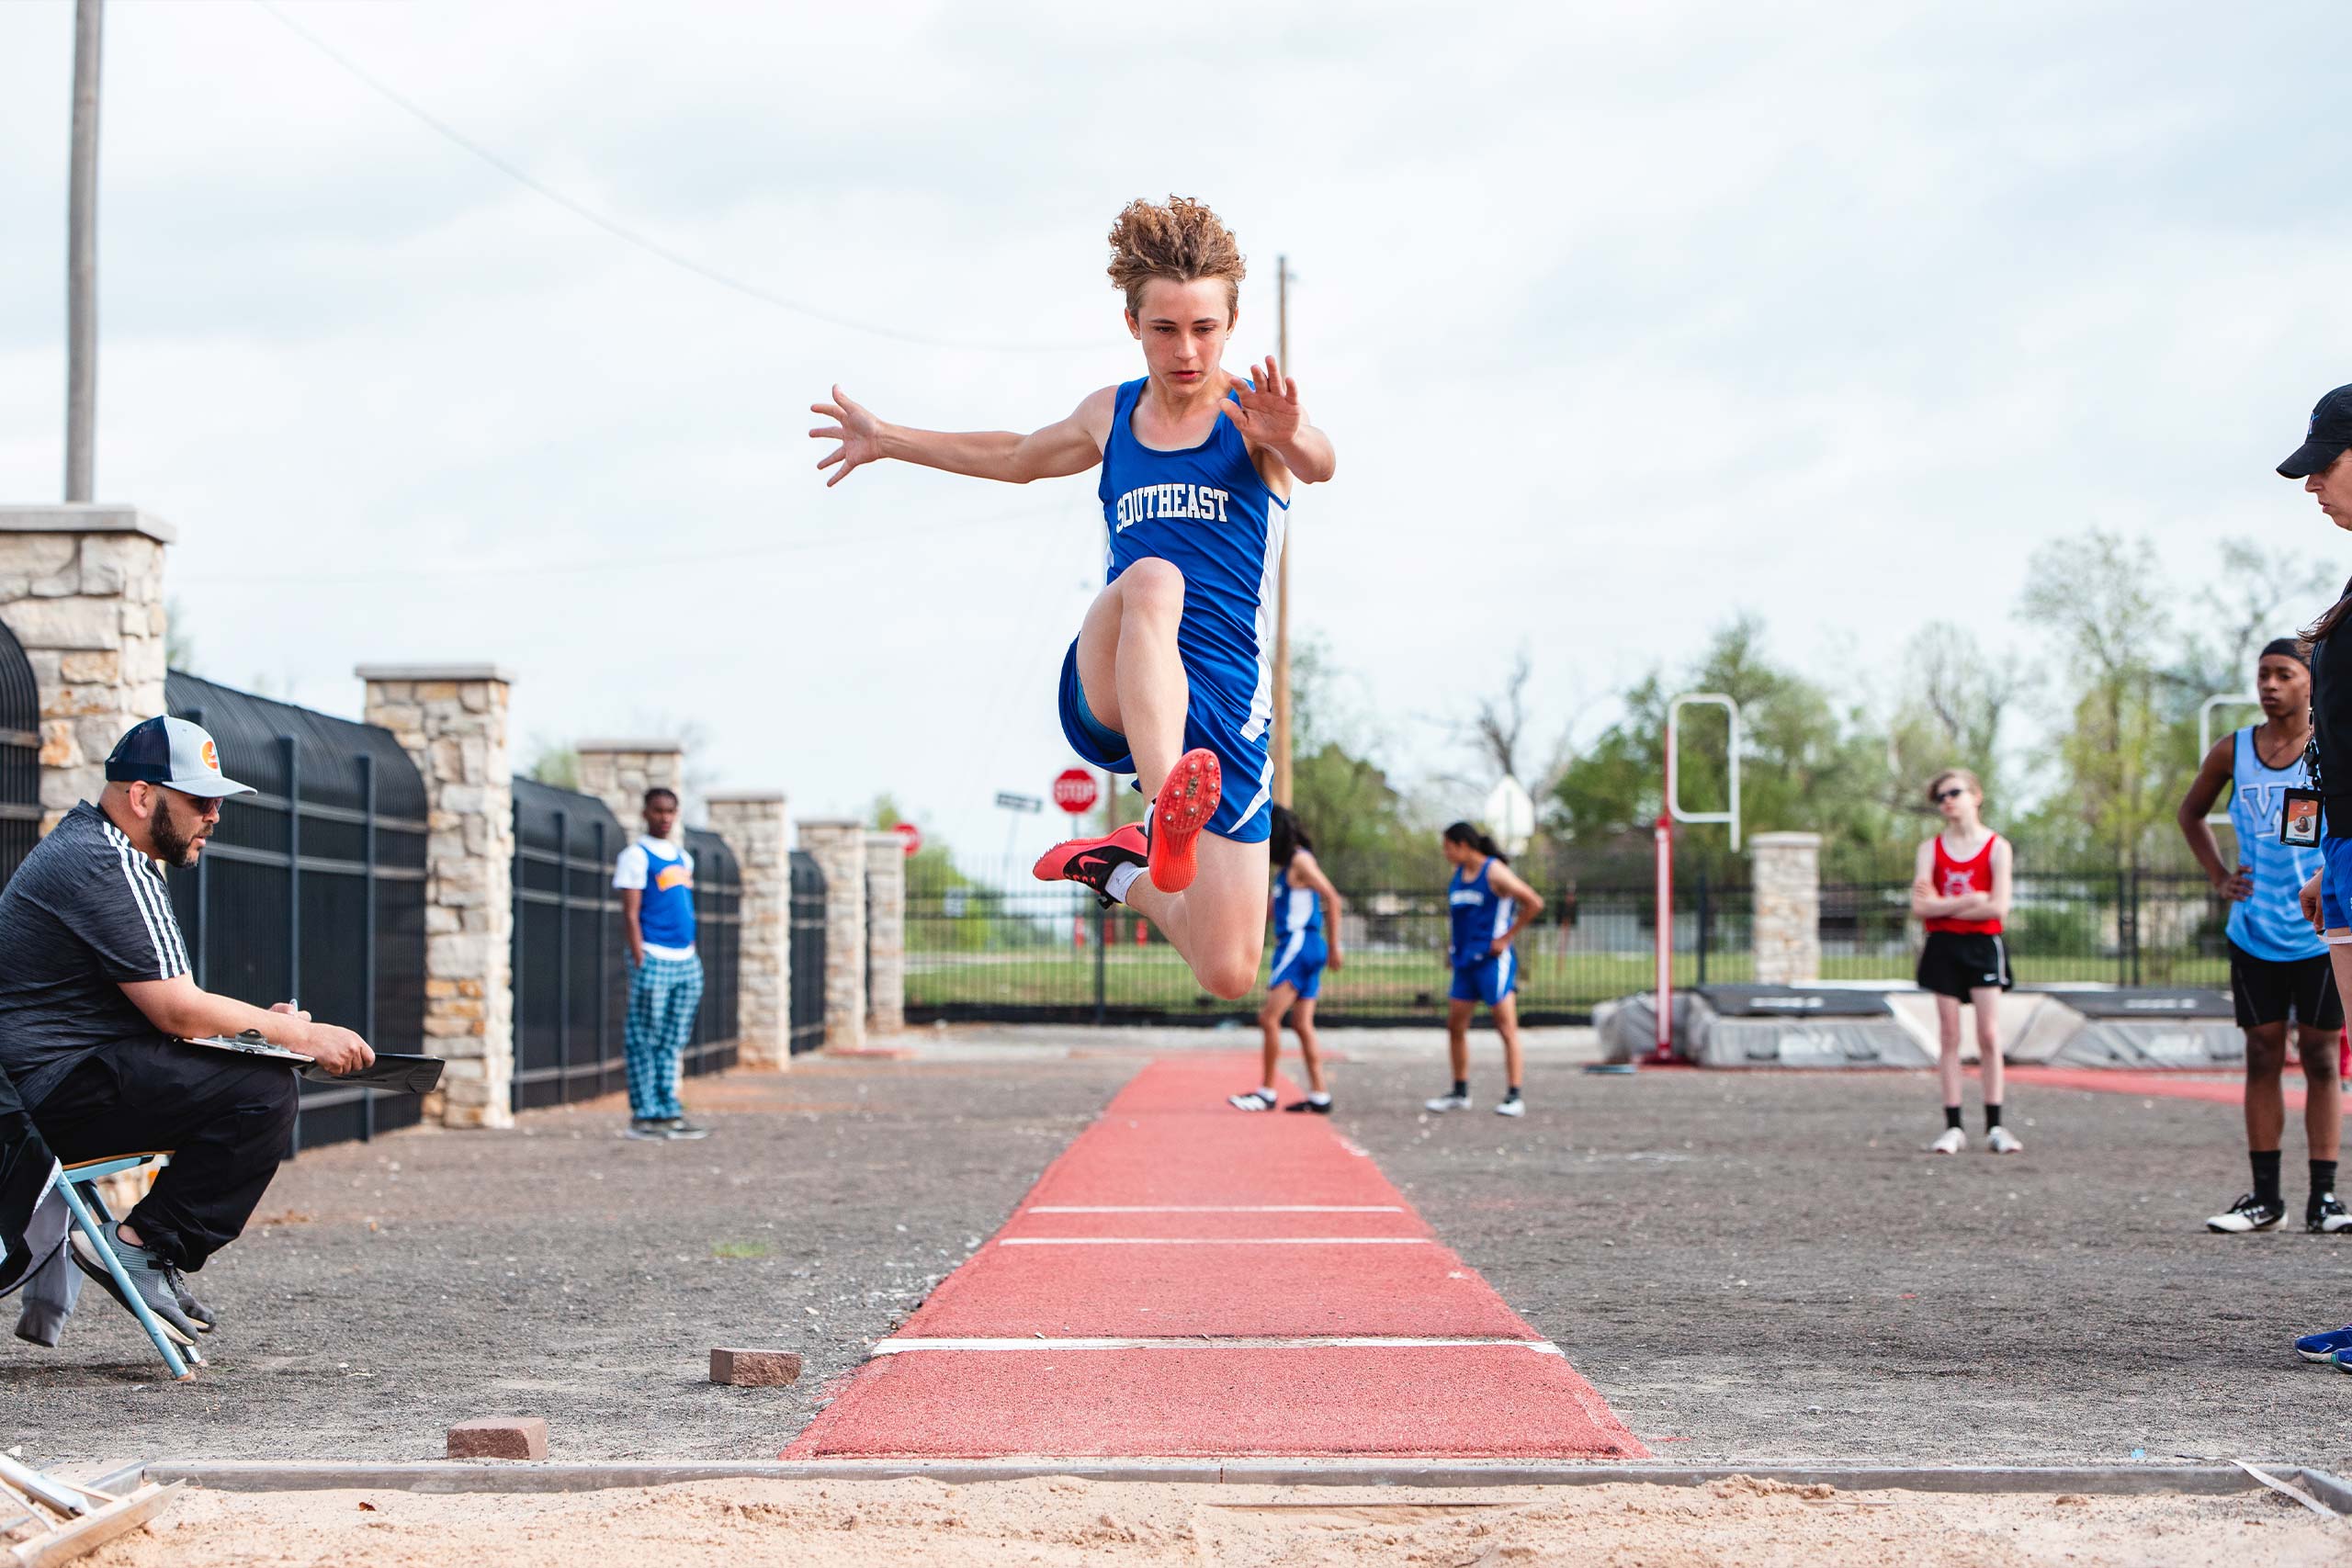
x=1090, y=862
x=1179, y=812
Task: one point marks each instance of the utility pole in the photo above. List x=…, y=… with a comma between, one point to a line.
x=1282, y=576
x=82, y=258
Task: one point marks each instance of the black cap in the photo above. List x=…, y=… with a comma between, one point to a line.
x=2330, y=434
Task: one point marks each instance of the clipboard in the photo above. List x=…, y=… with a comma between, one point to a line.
x=390, y=1070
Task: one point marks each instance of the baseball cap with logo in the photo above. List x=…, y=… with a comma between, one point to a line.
x=174, y=753
x=2330, y=434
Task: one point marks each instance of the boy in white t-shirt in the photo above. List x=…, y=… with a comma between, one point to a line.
x=656, y=878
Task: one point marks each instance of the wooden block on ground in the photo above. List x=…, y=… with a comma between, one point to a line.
x=755, y=1369
x=500, y=1436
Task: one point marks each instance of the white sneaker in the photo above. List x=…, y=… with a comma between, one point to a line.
x=1951, y=1143
x=2001, y=1141
x=1510, y=1107
x=1447, y=1102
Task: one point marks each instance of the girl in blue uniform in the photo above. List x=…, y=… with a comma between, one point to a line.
x=1488, y=904
x=1170, y=678
x=2279, y=979
x=1302, y=895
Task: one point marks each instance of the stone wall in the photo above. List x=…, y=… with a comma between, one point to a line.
x=618, y=772
x=886, y=932
x=1787, y=883
x=839, y=848
x=753, y=824
x=452, y=721
x=82, y=588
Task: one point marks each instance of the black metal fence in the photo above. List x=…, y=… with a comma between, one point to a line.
x=20, y=809
x=314, y=887
x=988, y=947
x=571, y=949
x=807, y=939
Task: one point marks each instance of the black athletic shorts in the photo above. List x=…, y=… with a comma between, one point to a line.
x=1956, y=963
x=2266, y=991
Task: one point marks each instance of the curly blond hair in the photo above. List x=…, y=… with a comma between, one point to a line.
x=1182, y=242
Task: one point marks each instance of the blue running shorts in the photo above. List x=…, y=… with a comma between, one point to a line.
x=2335, y=856
x=1298, y=963
x=1487, y=980
x=1245, y=814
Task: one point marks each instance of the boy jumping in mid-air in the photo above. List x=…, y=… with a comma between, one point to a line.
x=1170, y=676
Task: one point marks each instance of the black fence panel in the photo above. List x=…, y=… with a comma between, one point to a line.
x=993, y=946
x=805, y=1025
x=570, y=955
x=20, y=810
x=718, y=937
x=314, y=887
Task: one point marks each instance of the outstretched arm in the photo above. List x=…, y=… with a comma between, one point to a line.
x=1068, y=445
x=1274, y=422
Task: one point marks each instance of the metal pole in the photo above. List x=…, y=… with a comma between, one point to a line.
x=1704, y=913
x=563, y=951
x=1664, y=1051
x=1282, y=574
x=367, y=936
x=81, y=256
x=1102, y=961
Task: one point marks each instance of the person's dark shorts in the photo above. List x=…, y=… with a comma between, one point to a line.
x=2267, y=990
x=1956, y=963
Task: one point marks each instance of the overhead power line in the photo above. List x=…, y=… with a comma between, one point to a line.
x=629, y=236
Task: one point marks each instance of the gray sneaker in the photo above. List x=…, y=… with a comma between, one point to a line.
x=156, y=1281
x=679, y=1127
x=646, y=1127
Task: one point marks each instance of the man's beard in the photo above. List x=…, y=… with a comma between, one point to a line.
x=172, y=846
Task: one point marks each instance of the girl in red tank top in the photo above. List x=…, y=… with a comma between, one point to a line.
x=1960, y=890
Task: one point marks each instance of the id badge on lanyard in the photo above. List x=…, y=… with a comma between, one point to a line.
x=2299, y=816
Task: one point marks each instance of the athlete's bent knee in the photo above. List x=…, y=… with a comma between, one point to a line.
x=1153, y=586
x=1227, y=976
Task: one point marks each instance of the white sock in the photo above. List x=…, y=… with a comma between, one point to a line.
x=1318, y=1097
x=1120, y=880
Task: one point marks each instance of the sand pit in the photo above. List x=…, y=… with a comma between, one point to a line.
x=1743, y=1521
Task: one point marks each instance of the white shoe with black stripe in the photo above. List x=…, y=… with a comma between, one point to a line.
x=1256, y=1100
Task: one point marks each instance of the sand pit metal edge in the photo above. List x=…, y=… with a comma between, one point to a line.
x=522, y=1476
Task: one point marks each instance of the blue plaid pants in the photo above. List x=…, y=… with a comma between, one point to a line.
x=662, y=995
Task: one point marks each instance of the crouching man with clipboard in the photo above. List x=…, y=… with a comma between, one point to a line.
x=97, y=1010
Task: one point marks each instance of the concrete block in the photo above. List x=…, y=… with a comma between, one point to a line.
x=755, y=1369
x=500, y=1436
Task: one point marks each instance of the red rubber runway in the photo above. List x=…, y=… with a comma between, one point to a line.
x=1191, y=1280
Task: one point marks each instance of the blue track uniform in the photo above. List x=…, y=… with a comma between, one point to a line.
x=1300, y=952
x=1480, y=915
x=2279, y=966
x=2271, y=925
x=1206, y=511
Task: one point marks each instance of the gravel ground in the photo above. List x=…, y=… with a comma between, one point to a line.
x=1750, y=1268
x=1765, y=1266
x=560, y=1270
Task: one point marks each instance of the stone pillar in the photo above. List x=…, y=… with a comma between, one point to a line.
x=753, y=823
x=82, y=588
x=839, y=846
x=1788, y=908
x=618, y=772
x=452, y=721
x=886, y=932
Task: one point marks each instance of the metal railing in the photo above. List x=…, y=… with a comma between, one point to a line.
x=806, y=1020
x=314, y=887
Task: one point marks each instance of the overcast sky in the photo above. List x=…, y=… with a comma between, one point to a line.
x=1623, y=318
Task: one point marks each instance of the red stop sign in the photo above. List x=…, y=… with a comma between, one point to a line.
x=1074, y=790
x=912, y=834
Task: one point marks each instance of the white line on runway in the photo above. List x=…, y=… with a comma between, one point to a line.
x=1214, y=1241
x=1220, y=1209
x=1329, y=1342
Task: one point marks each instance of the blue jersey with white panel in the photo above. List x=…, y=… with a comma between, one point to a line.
x=1206, y=511
x=1480, y=914
x=2271, y=925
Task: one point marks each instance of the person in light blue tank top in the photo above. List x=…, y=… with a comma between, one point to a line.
x=1302, y=895
x=2280, y=978
x=1169, y=677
